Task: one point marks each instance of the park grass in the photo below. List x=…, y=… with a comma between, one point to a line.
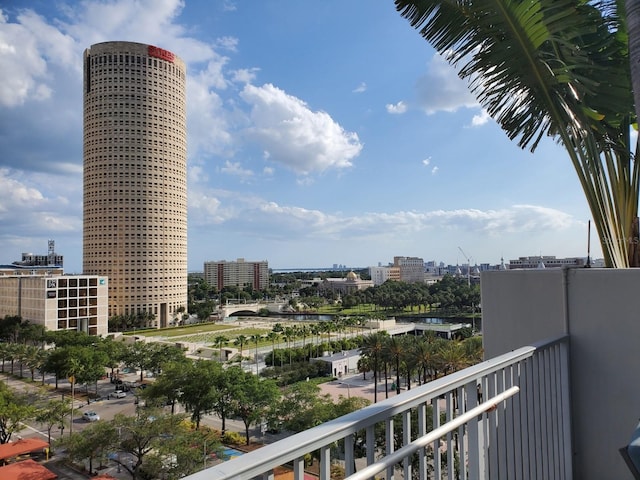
x=186, y=330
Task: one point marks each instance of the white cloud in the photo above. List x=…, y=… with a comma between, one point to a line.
x=30, y=212
x=235, y=169
x=360, y=88
x=482, y=118
x=244, y=75
x=434, y=170
x=292, y=221
x=23, y=67
x=295, y=136
x=426, y=161
x=397, y=109
x=440, y=89
x=228, y=43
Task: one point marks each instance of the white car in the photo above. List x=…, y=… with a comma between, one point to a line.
x=118, y=394
x=90, y=416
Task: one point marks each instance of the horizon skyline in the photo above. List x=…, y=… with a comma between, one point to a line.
x=303, y=148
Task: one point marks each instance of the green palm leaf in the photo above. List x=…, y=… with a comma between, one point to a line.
x=556, y=68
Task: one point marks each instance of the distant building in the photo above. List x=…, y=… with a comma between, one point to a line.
x=58, y=302
x=50, y=259
x=341, y=363
x=379, y=275
x=240, y=273
x=411, y=269
x=546, y=262
x=351, y=283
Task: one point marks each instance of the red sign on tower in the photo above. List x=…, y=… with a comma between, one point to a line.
x=160, y=53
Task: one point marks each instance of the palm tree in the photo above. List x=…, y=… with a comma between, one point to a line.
x=289, y=334
x=240, y=341
x=272, y=337
x=558, y=68
x=372, y=348
x=220, y=341
x=256, y=340
x=394, y=349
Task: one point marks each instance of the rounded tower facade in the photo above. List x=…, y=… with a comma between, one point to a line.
x=135, y=178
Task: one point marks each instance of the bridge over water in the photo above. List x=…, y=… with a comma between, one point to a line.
x=229, y=309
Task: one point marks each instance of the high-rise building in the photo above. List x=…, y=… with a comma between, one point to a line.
x=135, y=177
x=239, y=273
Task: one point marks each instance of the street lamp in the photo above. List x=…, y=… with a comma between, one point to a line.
x=348, y=389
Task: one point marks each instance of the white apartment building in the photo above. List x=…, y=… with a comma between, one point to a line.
x=379, y=275
x=135, y=177
x=240, y=273
x=59, y=302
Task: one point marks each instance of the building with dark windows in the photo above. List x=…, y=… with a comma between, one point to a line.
x=56, y=301
x=135, y=177
x=240, y=273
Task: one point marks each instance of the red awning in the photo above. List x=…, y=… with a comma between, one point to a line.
x=22, y=446
x=28, y=469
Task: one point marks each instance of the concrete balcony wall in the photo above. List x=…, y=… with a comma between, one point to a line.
x=600, y=310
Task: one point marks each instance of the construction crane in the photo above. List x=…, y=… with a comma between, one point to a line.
x=468, y=259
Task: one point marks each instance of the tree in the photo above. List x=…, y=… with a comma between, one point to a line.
x=302, y=407
x=272, y=337
x=14, y=410
x=142, y=437
x=93, y=443
x=198, y=392
x=252, y=399
x=372, y=348
x=558, y=68
x=394, y=350
x=53, y=413
x=220, y=341
x=168, y=385
x=256, y=338
x=241, y=341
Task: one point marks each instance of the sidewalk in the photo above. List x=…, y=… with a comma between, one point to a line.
x=353, y=385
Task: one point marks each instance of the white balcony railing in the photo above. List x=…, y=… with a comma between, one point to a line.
x=505, y=418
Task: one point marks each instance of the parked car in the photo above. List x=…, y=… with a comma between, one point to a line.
x=90, y=416
x=118, y=394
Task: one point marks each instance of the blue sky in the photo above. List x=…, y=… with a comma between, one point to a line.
x=319, y=133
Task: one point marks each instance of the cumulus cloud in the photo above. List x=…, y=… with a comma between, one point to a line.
x=482, y=118
x=434, y=170
x=440, y=89
x=295, y=136
x=396, y=109
x=30, y=211
x=426, y=161
x=23, y=68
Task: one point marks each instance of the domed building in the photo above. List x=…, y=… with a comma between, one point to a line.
x=351, y=283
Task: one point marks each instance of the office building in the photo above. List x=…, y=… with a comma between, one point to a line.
x=135, y=177
x=411, y=268
x=58, y=302
x=240, y=273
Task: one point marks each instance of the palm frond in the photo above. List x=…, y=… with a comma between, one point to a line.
x=550, y=67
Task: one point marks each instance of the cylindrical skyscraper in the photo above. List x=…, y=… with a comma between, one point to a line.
x=135, y=177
